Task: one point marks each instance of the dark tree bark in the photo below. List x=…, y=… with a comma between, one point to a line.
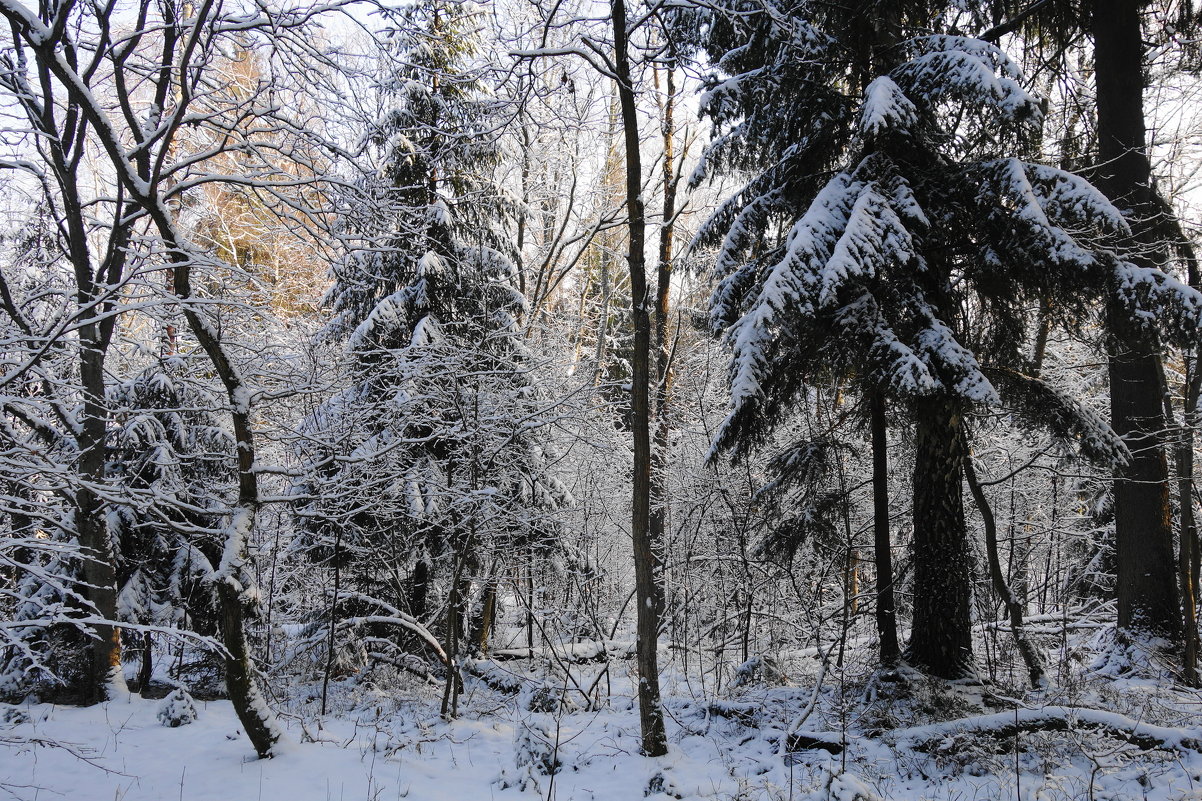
x=1188, y=543
x=456, y=614
x=336, y=559
x=419, y=589
x=451, y=645
x=1146, y=585
x=1147, y=589
x=1183, y=456
x=99, y=570
x=654, y=736
x=886, y=611
x=941, y=639
x=1187, y=554
x=146, y=671
x=1183, y=452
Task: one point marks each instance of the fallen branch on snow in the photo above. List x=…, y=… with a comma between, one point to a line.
x=577, y=653
x=1005, y=725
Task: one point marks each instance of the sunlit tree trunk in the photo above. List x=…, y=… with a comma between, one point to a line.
x=663, y=347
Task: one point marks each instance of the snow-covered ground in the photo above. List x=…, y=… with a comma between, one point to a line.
x=1124, y=737
x=120, y=750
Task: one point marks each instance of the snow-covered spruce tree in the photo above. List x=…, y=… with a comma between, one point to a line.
x=429, y=468
x=169, y=462
x=433, y=150
x=890, y=232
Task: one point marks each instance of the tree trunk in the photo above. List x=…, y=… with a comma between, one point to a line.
x=99, y=587
x=99, y=565
x=257, y=719
x=488, y=612
x=1188, y=534
x=419, y=589
x=146, y=671
x=530, y=599
x=336, y=559
x=99, y=562
x=1042, y=331
x=456, y=611
x=1183, y=456
x=941, y=639
x=1147, y=590
x=663, y=350
x=886, y=611
x=654, y=736
x=1146, y=586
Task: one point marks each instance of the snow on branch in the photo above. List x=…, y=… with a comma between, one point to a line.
x=1157, y=300
x=886, y=108
x=970, y=72
x=945, y=355
x=899, y=367
x=874, y=238
x=808, y=247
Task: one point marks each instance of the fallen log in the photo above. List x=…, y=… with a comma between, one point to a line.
x=1007, y=725
x=813, y=741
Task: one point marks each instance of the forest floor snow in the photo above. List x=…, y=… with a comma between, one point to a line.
x=386, y=741
x=120, y=750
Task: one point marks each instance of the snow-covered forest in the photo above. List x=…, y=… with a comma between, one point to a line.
x=749, y=400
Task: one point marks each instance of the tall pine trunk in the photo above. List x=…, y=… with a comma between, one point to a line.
x=1147, y=589
x=1146, y=582
x=941, y=639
